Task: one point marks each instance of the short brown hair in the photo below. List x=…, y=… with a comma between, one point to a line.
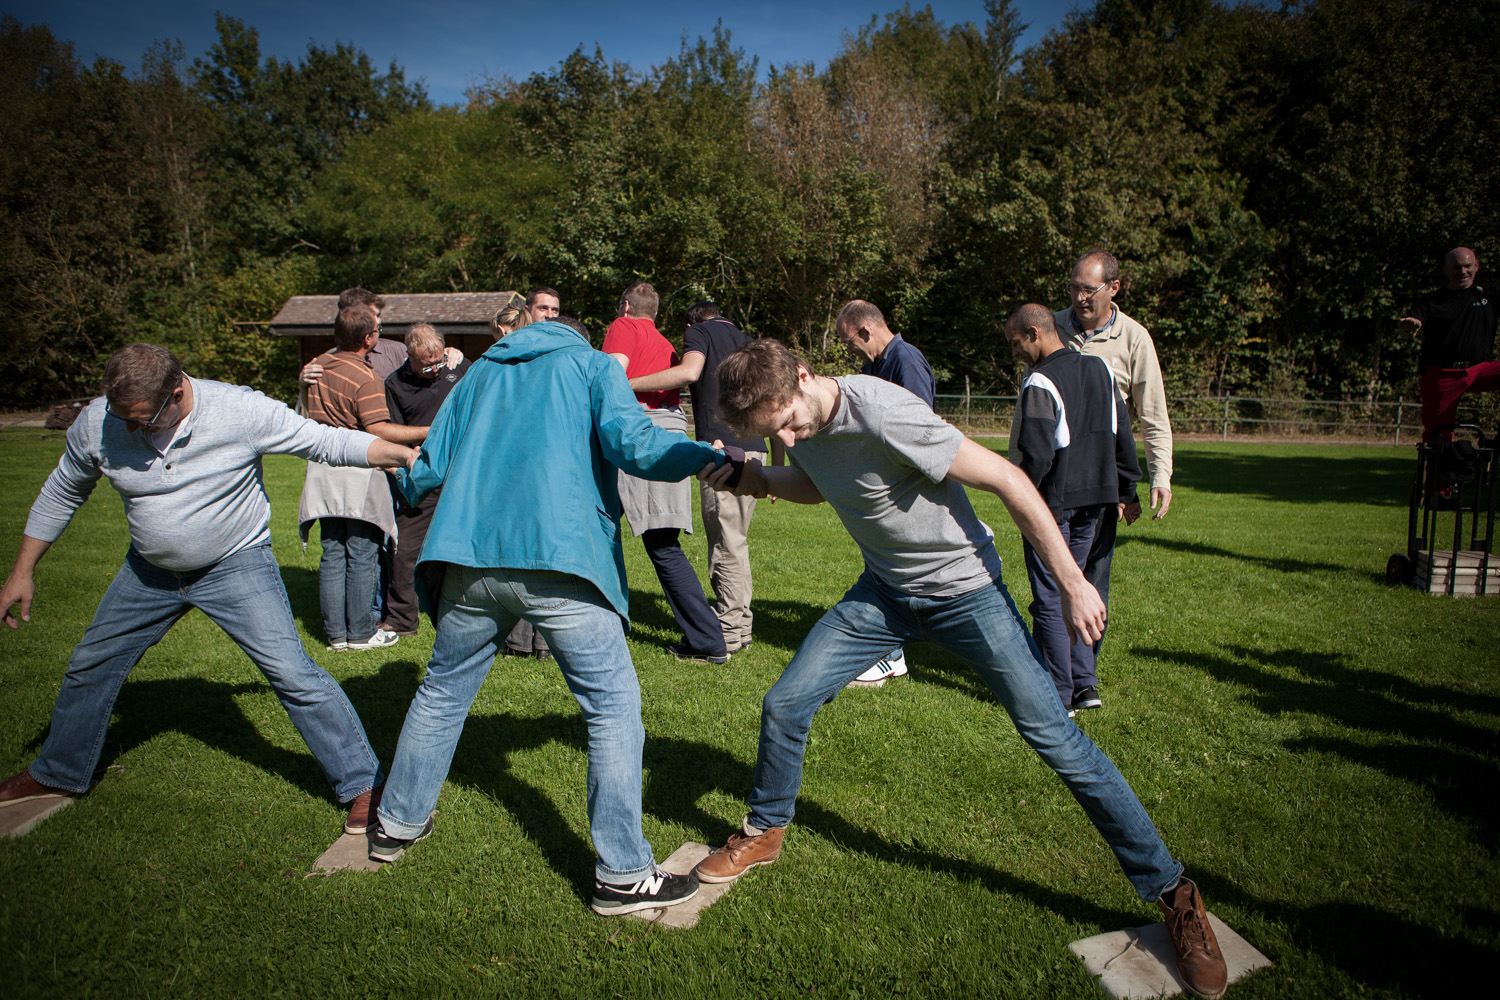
x=531, y=296
x=357, y=296
x=760, y=376
x=642, y=298
x=354, y=324
x=140, y=373
x=1032, y=315
x=1109, y=267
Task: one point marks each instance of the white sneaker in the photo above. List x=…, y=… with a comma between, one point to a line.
x=379, y=640
x=874, y=677
x=897, y=661
x=339, y=647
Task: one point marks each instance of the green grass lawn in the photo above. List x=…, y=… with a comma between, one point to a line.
x=1320, y=749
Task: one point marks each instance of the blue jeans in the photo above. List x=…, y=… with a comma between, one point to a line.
x=477, y=609
x=983, y=628
x=244, y=596
x=347, y=577
x=1071, y=664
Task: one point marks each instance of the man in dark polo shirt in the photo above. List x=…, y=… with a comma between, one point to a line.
x=710, y=338
x=1457, y=324
x=413, y=394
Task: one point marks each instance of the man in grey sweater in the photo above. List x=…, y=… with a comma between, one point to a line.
x=185, y=456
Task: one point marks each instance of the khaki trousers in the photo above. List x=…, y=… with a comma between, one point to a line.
x=726, y=523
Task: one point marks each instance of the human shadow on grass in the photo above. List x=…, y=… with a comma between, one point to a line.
x=1457, y=759
x=1326, y=478
x=782, y=624
x=206, y=711
x=1378, y=948
x=1280, y=565
x=681, y=773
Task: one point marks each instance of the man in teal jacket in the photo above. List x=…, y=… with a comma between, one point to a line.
x=525, y=449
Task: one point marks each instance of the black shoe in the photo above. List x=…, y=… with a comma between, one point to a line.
x=659, y=889
x=681, y=651
x=1087, y=698
x=388, y=849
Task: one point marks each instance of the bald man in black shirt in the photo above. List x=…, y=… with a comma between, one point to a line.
x=1458, y=339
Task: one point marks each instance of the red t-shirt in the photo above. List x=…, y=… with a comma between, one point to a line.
x=649, y=352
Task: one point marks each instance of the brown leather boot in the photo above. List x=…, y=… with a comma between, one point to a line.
x=22, y=787
x=362, y=810
x=742, y=853
x=1199, y=960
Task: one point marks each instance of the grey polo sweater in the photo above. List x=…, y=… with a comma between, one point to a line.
x=204, y=498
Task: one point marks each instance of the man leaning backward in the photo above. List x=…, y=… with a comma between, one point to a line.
x=895, y=473
x=185, y=456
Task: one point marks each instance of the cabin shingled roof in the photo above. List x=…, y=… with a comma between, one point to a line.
x=304, y=314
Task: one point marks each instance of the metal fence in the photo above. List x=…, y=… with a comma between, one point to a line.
x=1394, y=420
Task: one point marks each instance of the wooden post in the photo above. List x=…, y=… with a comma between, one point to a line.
x=1400, y=405
x=967, y=422
x=1226, y=418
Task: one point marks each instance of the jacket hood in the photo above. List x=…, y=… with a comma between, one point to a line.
x=533, y=341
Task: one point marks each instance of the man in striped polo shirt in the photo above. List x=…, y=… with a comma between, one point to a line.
x=350, y=394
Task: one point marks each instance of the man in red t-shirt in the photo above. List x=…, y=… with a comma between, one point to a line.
x=658, y=512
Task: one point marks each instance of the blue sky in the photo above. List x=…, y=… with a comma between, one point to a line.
x=452, y=43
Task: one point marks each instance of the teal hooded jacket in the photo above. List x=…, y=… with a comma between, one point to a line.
x=525, y=449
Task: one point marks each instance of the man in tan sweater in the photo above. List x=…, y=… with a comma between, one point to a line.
x=1093, y=325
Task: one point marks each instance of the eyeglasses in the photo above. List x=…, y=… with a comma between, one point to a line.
x=157, y=416
x=1076, y=289
x=435, y=366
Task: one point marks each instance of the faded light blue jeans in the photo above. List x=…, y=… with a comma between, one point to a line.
x=985, y=630
x=477, y=610
x=242, y=594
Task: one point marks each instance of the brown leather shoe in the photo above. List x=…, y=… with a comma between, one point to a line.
x=1199, y=960
x=21, y=786
x=742, y=853
x=362, y=809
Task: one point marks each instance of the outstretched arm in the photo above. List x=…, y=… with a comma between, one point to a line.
x=676, y=377
x=977, y=466
x=19, y=587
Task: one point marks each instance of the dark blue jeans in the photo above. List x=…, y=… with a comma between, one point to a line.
x=985, y=630
x=701, y=631
x=347, y=576
x=242, y=594
x=1089, y=534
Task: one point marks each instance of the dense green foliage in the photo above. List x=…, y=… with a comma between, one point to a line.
x=1278, y=183
x=1318, y=747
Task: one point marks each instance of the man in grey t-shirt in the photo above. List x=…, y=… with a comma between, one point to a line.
x=895, y=473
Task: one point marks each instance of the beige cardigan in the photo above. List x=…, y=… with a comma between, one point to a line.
x=1127, y=348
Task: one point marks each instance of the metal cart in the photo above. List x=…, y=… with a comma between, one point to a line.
x=1444, y=489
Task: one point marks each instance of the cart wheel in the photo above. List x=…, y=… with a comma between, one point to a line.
x=1398, y=569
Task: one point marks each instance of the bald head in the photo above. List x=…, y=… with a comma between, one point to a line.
x=1032, y=333
x=1461, y=266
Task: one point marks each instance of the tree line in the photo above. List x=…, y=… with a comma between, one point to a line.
x=1278, y=183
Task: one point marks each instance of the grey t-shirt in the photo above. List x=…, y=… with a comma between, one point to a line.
x=881, y=463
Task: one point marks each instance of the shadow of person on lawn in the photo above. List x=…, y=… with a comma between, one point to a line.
x=1423, y=745
x=1377, y=948
x=1280, y=565
x=1328, y=477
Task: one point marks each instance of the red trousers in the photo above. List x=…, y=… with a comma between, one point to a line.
x=1443, y=387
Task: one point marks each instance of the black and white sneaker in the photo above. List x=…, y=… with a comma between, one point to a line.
x=659, y=889
x=1087, y=698
x=388, y=849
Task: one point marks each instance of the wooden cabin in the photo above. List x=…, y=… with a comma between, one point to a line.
x=463, y=318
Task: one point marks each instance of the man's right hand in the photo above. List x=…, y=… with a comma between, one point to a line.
x=18, y=589
x=310, y=373
x=1409, y=324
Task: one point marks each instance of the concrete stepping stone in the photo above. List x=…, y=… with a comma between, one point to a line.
x=351, y=852
x=1139, y=962
x=684, y=915
x=21, y=818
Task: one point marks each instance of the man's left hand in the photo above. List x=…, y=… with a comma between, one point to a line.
x=1129, y=512
x=1160, y=495
x=1083, y=612
x=453, y=357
